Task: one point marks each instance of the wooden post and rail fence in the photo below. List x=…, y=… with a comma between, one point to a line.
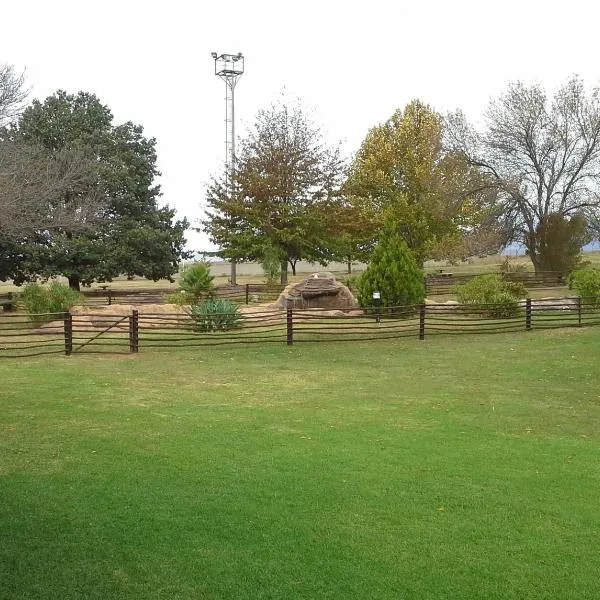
x=297, y=325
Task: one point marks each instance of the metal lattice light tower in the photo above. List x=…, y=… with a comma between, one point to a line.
x=229, y=67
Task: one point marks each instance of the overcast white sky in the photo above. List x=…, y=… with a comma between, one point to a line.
x=353, y=62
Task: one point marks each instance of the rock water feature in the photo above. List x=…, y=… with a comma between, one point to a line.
x=319, y=290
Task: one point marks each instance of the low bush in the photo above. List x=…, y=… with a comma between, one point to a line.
x=492, y=295
x=216, y=314
x=586, y=282
x=39, y=300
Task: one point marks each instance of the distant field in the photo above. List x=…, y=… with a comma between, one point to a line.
x=462, y=468
x=252, y=273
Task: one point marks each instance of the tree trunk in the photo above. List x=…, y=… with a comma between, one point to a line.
x=284, y=272
x=293, y=265
x=233, y=277
x=534, y=257
x=349, y=263
x=74, y=282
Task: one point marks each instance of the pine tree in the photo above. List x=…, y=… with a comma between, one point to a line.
x=393, y=272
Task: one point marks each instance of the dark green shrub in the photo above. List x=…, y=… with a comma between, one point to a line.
x=586, y=282
x=216, y=314
x=502, y=296
x=393, y=272
x=195, y=283
x=52, y=298
x=559, y=241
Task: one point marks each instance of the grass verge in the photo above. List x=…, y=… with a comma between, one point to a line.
x=455, y=468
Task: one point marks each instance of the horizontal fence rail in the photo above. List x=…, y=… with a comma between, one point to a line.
x=132, y=331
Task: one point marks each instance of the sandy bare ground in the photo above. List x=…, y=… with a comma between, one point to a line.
x=166, y=316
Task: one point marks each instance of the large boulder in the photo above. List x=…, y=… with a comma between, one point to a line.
x=319, y=290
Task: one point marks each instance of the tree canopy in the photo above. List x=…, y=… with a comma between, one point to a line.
x=403, y=172
x=116, y=225
x=284, y=180
x=541, y=153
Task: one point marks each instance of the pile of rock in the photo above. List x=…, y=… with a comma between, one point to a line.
x=319, y=290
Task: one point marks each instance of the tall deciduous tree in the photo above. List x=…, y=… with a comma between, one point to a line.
x=403, y=172
x=134, y=236
x=285, y=177
x=543, y=155
x=32, y=184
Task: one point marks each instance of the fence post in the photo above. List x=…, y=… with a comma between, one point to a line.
x=579, y=310
x=528, y=314
x=247, y=293
x=421, y=321
x=68, y=325
x=290, y=327
x=134, y=331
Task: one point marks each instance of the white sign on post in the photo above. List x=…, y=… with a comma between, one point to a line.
x=376, y=295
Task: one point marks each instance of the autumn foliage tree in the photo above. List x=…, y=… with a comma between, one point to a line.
x=284, y=181
x=403, y=172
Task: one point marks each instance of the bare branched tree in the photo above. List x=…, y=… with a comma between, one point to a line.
x=543, y=155
x=12, y=94
x=43, y=192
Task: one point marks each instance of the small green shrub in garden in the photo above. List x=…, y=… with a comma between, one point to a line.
x=195, y=282
x=52, y=298
x=494, y=290
x=393, y=272
x=586, y=282
x=216, y=314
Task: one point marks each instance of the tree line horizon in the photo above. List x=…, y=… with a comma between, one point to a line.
x=78, y=193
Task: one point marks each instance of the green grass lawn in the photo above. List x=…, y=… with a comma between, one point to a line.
x=453, y=468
